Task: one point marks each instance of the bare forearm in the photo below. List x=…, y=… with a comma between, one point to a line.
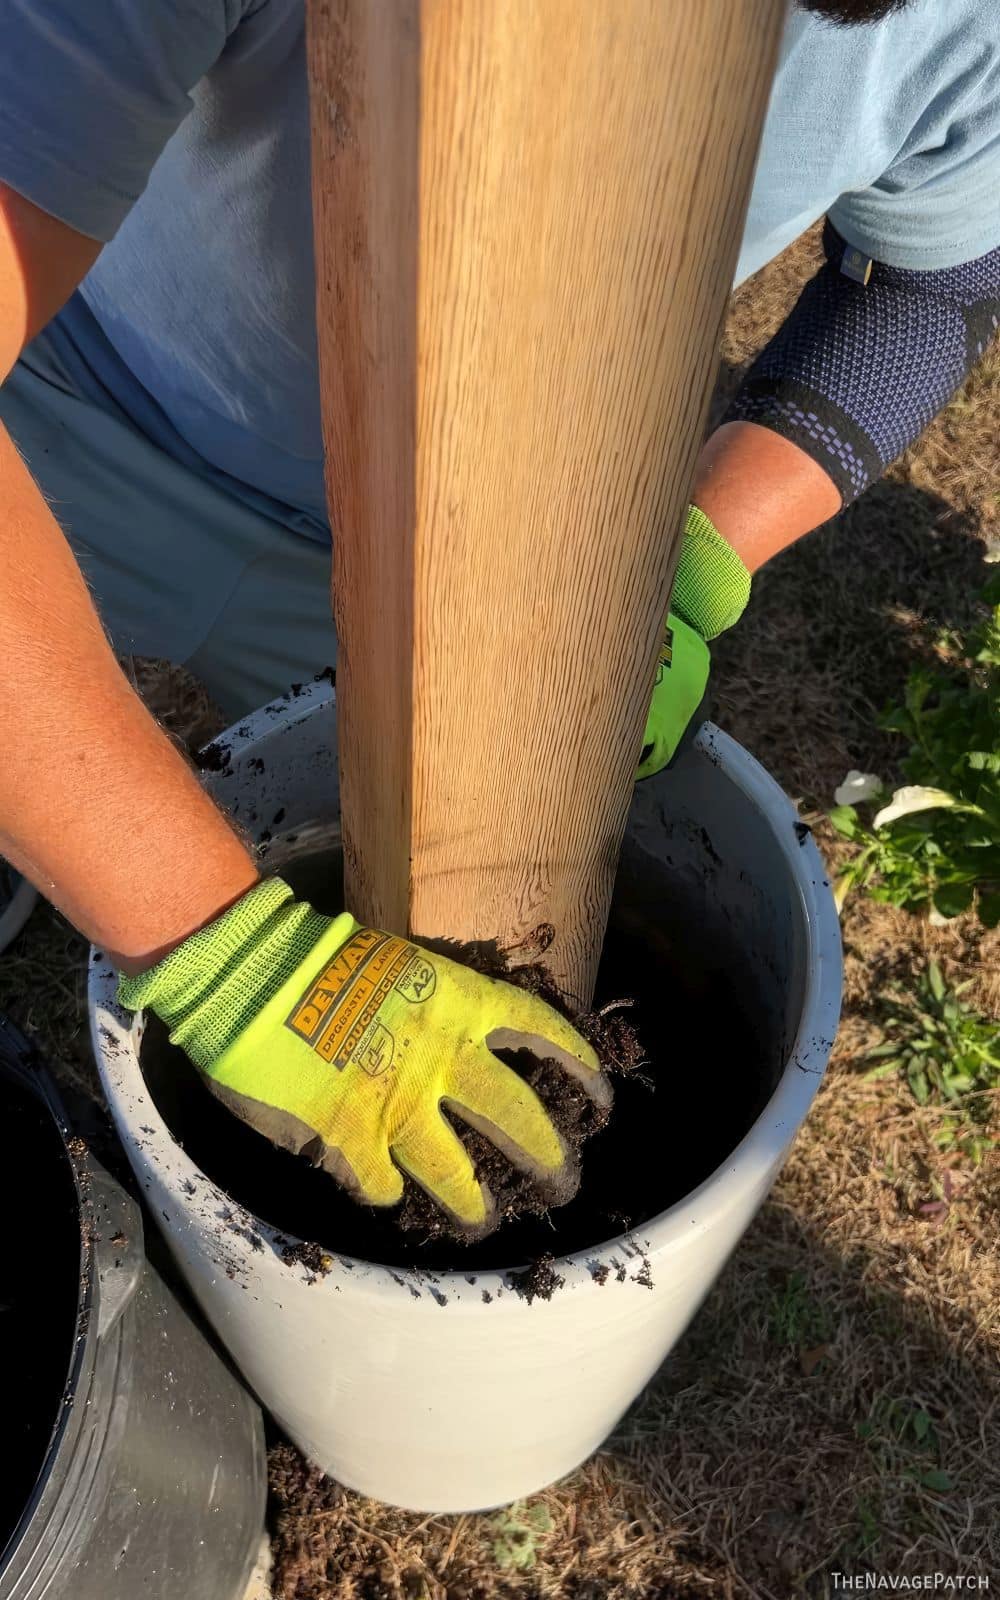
x=761, y=491
x=97, y=806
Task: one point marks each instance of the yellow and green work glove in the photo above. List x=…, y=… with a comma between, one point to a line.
x=344, y=1044
x=711, y=589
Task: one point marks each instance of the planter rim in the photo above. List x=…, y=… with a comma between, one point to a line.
x=114, y=1039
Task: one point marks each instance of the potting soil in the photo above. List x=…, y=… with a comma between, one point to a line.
x=691, y=1074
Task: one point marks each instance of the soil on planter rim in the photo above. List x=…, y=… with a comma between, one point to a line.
x=672, y=1123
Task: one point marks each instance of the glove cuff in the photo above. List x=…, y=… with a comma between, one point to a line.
x=217, y=980
x=712, y=584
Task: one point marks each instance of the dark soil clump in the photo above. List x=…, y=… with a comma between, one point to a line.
x=214, y=757
x=537, y=1282
x=311, y=1256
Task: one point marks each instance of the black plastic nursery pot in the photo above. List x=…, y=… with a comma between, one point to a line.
x=136, y=1461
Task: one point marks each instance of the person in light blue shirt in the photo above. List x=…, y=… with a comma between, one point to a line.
x=160, y=393
x=182, y=373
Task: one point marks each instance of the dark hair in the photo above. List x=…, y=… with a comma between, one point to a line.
x=853, y=11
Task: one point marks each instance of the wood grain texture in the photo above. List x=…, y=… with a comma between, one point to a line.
x=527, y=218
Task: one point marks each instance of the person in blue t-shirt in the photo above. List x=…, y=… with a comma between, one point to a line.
x=161, y=477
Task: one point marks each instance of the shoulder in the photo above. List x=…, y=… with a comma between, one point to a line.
x=895, y=128
x=910, y=56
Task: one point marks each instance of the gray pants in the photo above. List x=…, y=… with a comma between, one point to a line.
x=179, y=568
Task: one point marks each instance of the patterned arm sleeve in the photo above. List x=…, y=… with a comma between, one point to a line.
x=868, y=357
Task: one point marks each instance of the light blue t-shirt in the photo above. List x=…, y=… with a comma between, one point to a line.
x=178, y=131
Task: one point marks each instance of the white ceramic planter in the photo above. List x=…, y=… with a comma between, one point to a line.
x=413, y=1386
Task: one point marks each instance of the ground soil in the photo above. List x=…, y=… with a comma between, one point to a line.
x=767, y=1454
x=40, y=1290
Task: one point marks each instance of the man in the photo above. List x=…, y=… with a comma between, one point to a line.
x=158, y=344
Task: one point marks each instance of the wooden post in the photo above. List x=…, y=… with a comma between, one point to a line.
x=527, y=214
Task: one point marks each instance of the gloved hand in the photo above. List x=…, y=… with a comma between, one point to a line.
x=711, y=589
x=343, y=1043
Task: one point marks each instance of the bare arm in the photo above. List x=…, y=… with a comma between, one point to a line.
x=760, y=490
x=97, y=807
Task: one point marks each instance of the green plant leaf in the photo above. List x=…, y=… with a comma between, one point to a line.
x=989, y=907
x=991, y=590
x=845, y=820
x=539, y=1518
x=935, y=980
x=885, y=1069
x=918, y=687
x=937, y=1479
x=917, y=1079
x=983, y=760
x=921, y=1425
x=951, y=899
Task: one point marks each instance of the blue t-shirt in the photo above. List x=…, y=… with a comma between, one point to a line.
x=178, y=131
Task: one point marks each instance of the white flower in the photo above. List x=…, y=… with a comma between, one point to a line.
x=857, y=786
x=914, y=797
x=992, y=552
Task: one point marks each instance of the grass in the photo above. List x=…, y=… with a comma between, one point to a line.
x=836, y=1404
x=796, y=1318
x=938, y=843
x=518, y=1534
x=949, y=1057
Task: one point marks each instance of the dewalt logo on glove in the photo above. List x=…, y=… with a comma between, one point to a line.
x=338, y=1015
x=666, y=653
x=273, y=994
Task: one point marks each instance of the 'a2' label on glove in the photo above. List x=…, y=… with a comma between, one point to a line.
x=339, y=1013
x=666, y=655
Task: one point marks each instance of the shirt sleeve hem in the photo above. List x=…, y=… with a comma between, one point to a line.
x=919, y=256
x=82, y=200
